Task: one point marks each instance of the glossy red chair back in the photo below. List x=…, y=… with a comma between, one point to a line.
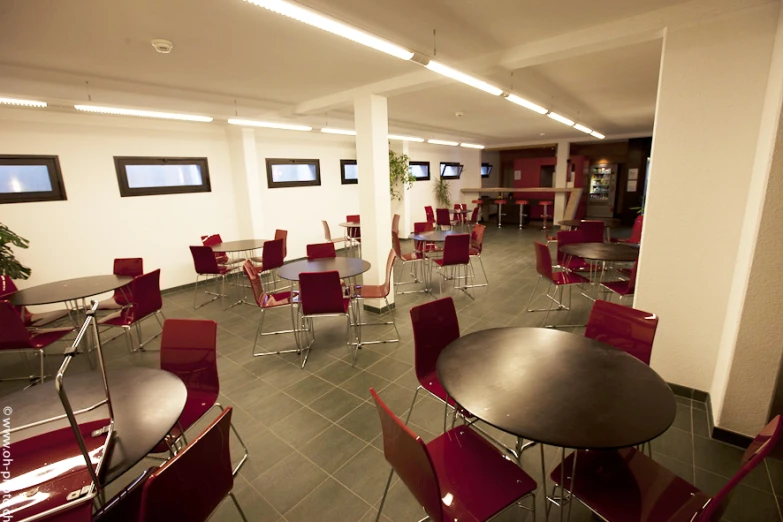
x=435, y=325
x=627, y=329
x=13, y=334
x=7, y=286
x=474, y=215
x=430, y=214
x=272, y=254
x=569, y=237
x=396, y=224
x=255, y=282
x=131, y=266
x=321, y=251
x=477, y=237
x=193, y=483
x=396, y=244
x=764, y=443
x=355, y=232
x=145, y=290
x=543, y=260
x=390, y=259
x=204, y=260
x=188, y=349
x=636, y=231
x=456, y=250
x=321, y=293
x=213, y=239
x=592, y=231
x=408, y=456
x=417, y=229
x=283, y=234
x=442, y=217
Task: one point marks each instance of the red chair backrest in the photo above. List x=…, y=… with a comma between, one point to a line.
x=354, y=231
x=131, y=266
x=442, y=216
x=13, y=334
x=543, y=260
x=636, y=231
x=396, y=244
x=456, y=250
x=212, y=239
x=477, y=237
x=390, y=259
x=764, y=443
x=193, y=483
x=272, y=255
x=255, y=282
x=430, y=214
x=408, y=456
x=321, y=251
x=417, y=229
x=627, y=329
x=327, y=232
x=464, y=206
x=396, y=223
x=188, y=349
x=145, y=290
x=321, y=293
x=204, y=260
x=568, y=237
x=474, y=215
x=283, y=234
x=592, y=230
x=353, y=218
x=435, y=325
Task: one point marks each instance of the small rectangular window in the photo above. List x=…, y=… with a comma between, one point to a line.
x=143, y=176
x=486, y=169
x=25, y=179
x=451, y=170
x=292, y=172
x=419, y=170
x=349, y=172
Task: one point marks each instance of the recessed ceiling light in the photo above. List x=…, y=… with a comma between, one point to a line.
x=143, y=114
x=269, y=125
x=23, y=103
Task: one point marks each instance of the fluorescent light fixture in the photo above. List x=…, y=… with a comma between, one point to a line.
x=331, y=25
x=345, y=132
x=471, y=146
x=513, y=98
x=268, y=125
x=597, y=135
x=582, y=128
x=462, y=77
x=23, y=103
x=143, y=114
x=562, y=119
x=443, y=142
x=405, y=138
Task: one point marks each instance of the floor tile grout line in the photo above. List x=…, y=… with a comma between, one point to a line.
x=772, y=486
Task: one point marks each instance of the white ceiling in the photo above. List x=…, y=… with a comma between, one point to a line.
x=235, y=49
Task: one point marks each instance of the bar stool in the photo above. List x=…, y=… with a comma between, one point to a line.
x=500, y=202
x=545, y=214
x=522, y=203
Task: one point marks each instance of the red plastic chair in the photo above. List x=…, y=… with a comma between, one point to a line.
x=188, y=349
x=122, y=297
x=424, y=247
x=205, y=265
x=147, y=302
x=31, y=320
x=415, y=258
x=321, y=295
x=456, y=476
x=221, y=257
x=443, y=218
x=474, y=216
x=556, y=280
x=396, y=224
x=272, y=256
x=125, y=506
x=14, y=337
x=567, y=261
x=430, y=214
x=477, y=247
x=622, y=288
x=265, y=302
x=279, y=234
x=627, y=485
x=360, y=292
x=459, y=216
x=321, y=251
x=627, y=329
x=456, y=254
x=592, y=230
x=636, y=232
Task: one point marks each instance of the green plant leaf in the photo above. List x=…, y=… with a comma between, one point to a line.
x=400, y=177
x=9, y=266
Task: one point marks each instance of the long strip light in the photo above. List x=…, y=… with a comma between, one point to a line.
x=598, y=135
x=582, y=128
x=143, y=114
x=344, y=132
x=331, y=25
x=444, y=142
x=454, y=74
x=23, y=103
x=269, y=125
x=562, y=119
x=513, y=98
x=405, y=138
x=471, y=145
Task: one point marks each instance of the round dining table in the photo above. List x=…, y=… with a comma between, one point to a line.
x=434, y=236
x=609, y=252
x=351, y=224
x=68, y=290
x=345, y=266
x=242, y=245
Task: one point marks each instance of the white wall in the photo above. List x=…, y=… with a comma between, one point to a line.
x=712, y=86
x=82, y=236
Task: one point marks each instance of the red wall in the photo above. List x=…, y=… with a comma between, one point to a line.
x=531, y=177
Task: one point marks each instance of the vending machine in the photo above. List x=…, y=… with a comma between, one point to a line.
x=602, y=190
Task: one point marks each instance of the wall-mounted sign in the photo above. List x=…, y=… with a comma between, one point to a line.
x=517, y=175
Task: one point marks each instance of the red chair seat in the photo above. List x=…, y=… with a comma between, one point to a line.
x=567, y=278
x=478, y=201
x=628, y=485
x=576, y=263
x=278, y=299
x=413, y=256
x=456, y=455
x=544, y=203
x=42, y=338
x=619, y=287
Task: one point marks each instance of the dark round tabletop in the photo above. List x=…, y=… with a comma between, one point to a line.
x=68, y=290
x=351, y=224
x=346, y=266
x=556, y=388
x=238, y=246
x=146, y=403
x=436, y=236
x=576, y=223
x=602, y=251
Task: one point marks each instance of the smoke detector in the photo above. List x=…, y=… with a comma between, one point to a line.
x=459, y=114
x=162, y=46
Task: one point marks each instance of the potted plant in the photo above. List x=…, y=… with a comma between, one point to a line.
x=9, y=266
x=400, y=177
x=442, y=191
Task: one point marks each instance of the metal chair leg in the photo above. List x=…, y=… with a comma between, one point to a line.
x=413, y=402
x=236, y=504
x=385, y=492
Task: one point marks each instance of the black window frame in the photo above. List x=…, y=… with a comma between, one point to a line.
x=52, y=164
x=421, y=163
x=343, y=179
x=483, y=165
x=290, y=161
x=451, y=164
x=120, y=162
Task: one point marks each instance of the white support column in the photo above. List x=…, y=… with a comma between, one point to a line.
x=561, y=175
x=248, y=182
x=372, y=158
x=403, y=206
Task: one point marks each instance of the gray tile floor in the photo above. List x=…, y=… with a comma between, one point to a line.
x=314, y=434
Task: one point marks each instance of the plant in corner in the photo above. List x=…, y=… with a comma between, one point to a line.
x=442, y=191
x=9, y=266
x=400, y=177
